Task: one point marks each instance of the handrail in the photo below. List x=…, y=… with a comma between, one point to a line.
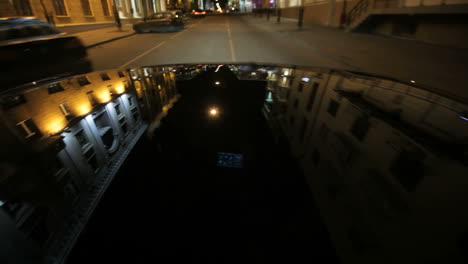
x=357, y=10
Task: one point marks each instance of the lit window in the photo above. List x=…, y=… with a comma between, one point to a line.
x=105, y=77
x=28, y=129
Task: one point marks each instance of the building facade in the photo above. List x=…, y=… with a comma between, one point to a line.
x=384, y=160
x=62, y=143
x=73, y=12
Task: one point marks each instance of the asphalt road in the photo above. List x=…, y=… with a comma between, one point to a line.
x=215, y=39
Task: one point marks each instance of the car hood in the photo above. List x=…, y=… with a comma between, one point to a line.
x=351, y=122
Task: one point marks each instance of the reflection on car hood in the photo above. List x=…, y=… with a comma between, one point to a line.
x=351, y=133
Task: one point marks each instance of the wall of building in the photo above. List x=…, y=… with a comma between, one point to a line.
x=375, y=211
x=62, y=156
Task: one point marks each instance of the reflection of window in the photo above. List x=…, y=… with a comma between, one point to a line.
x=82, y=81
x=104, y=126
x=82, y=139
x=105, y=76
x=333, y=107
x=312, y=95
x=291, y=120
x=86, y=8
x=135, y=114
x=123, y=125
x=303, y=129
x=323, y=132
x=91, y=158
x=28, y=129
x=301, y=86
x=60, y=9
x=408, y=169
x=117, y=109
x=105, y=7
x=360, y=127
x=12, y=101
x=55, y=88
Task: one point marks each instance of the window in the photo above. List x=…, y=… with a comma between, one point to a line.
x=105, y=77
x=92, y=98
x=104, y=125
x=60, y=9
x=135, y=114
x=360, y=127
x=65, y=111
x=91, y=158
x=22, y=7
x=121, y=74
x=408, y=169
x=312, y=95
x=323, y=132
x=28, y=129
x=296, y=103
x=123, y=125
x=55, y=88
x=333, y=107
x=82, y=139
x=86, y=8
x=291, y=120
x=301, y=86
x=83, y=80
x=130, y=101
x=12, y=101
x=303, y=129
x=117, y=109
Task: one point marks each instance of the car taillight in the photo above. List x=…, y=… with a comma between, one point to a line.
x=203, y=12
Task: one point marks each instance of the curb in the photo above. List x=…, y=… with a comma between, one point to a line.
x=110, y=40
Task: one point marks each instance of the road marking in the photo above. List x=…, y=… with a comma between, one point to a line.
x=143, y=54
x=231, y=43
x=173, y=37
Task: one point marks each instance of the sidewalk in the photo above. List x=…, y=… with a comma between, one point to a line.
x=439, y=67
x=97, y=37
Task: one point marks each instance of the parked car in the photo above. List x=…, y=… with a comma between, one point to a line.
x=180, y=14
x=198, y=13
x=31, y=49
x=160, y=22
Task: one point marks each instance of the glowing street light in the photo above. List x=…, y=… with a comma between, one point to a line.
x=213, y=112
x=217, y=83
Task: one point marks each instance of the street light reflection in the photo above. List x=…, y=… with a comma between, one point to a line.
x=214, y=112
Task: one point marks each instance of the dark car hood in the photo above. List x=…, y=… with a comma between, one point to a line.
x=369, y=147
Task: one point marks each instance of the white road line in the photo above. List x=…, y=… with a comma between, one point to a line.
x=231, y=43
x=143, y=54
x=173, y=37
